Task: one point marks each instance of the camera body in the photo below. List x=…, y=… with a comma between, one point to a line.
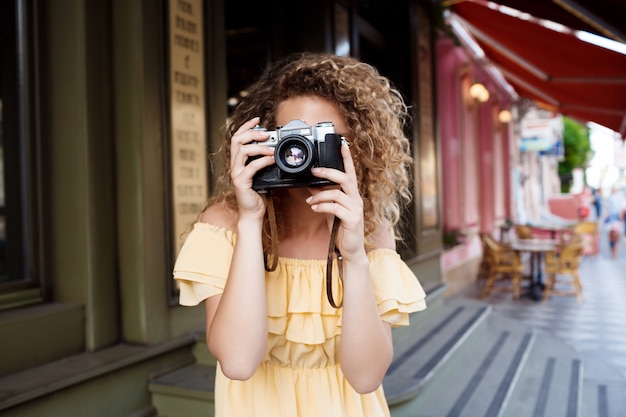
x=299, y=147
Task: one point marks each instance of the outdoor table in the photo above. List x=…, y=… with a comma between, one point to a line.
x=553, y=228
x=536, y=248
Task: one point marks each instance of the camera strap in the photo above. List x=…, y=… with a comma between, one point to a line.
x=271, y=214
x=332, y=252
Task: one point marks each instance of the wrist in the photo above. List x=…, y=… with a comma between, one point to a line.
x=249, y=224
x=356, y=261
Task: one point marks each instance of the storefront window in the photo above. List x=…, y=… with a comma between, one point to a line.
x=7, y=40
x=20, y=241
x=3, y=269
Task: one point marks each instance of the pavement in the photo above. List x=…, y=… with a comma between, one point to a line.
x=595, y=327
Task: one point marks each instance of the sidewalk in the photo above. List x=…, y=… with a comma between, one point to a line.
x=596, y=327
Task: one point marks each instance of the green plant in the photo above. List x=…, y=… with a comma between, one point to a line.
x=452, y=237
x=577, y=151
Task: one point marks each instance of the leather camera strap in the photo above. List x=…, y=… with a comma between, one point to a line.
x=332, y=251
x=271, y=214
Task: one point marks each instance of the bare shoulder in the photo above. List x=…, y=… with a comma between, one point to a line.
x=384, y=236
x=219, y=215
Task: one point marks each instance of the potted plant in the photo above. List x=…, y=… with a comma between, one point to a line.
x=452, y=237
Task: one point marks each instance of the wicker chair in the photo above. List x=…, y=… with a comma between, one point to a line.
x=523, y=231
x=503, y=263
x=561, y=265
x=590, y=235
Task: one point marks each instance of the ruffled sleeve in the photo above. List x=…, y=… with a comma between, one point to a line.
x=397, y=290
x=203, y=263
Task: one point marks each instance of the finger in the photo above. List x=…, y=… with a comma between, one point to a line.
x=243, y=153
x=259, y=163
x=339, y=204
x=348, y=162
x=247, y=137
x=332, y=208
x=248, y=125
x=349, y=221
x=347, y=182
x=331, y=196
x=243, y=177
x=340, y=177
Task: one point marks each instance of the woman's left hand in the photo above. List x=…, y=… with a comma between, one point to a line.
x=345, y=203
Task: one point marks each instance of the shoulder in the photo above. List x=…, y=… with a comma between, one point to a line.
x=219, y=215
x=384, y=236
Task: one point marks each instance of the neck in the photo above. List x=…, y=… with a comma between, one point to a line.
x=303, y=222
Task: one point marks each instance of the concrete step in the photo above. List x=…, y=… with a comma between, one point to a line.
x=550, y=383
x=604, y=390
x=185, y=392
x=478, y=379
x=604, y=400
x=427, y=345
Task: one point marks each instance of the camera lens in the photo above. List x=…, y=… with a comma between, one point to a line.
x=295, y=154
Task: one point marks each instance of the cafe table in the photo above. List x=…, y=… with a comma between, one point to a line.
x=536, y=248
x=554, y=228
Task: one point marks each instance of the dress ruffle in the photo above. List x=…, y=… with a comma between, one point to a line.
x=398, y=292
x=203, y=262
x=297, y=304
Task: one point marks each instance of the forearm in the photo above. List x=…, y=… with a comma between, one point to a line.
x=366, y=348
x=238, y=331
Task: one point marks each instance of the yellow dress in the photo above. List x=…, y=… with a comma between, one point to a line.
x=300, y=375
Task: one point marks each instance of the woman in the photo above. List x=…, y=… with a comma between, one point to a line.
x=282, y=348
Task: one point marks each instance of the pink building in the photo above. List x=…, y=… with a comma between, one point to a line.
x=476, y=156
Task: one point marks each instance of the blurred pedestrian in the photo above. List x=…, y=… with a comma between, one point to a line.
x=614, y=218
x=615, y=205
x=597, y=202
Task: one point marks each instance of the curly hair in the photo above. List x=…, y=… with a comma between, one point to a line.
x=375, y=114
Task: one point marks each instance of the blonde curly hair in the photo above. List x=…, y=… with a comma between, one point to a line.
x=375, y=114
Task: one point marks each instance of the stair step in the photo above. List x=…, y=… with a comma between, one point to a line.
x=478, y=379
x=604, y=400
x=186, y=392
x=425, y=346
x=550, y=383
x=604, y=390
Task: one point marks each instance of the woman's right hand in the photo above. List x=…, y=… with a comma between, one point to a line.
x=242, y=147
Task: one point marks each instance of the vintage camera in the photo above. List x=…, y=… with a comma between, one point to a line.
x=299, y=147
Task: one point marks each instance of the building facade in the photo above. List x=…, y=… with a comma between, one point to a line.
x=109, y=109
x=479, y=153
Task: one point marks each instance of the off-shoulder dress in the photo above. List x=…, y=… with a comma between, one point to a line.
x=300, y=375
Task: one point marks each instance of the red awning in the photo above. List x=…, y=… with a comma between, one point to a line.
x=602, y=17
x=553, y=67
